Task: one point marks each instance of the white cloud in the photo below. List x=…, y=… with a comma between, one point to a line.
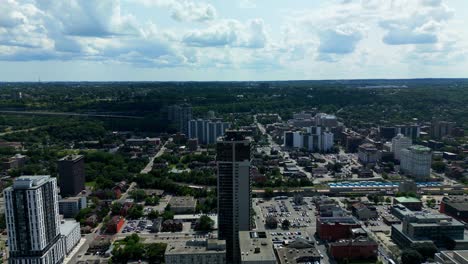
x=185, y=10
x=229, y=33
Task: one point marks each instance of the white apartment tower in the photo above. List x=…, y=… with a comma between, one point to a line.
x=399, y=143
x=32, y=218
x=416, y=161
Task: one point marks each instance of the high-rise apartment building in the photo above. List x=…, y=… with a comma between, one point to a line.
x=416, y=161
x=207, y=131
x=32, y=218
x=71, y=171
x=411, y=131
x=440, y=129
x=180, y=115
x=399, y=143
x=234, y=190
x=313, y=139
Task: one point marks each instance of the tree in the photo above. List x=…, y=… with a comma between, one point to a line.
x=388, y=200
x=155, y=252
x=271, y=222
x=411, y=256
x=438, y=166
x=269, y=192
x=153, y=214
x=427, y=250
x=205, y=223
x=138, y=195
x=285, y=224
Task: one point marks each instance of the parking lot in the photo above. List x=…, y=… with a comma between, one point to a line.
x=300, y=217
x=137, y=226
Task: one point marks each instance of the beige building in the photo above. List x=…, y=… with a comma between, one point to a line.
x=210, y=251
x=256, y=247
x=183, y=204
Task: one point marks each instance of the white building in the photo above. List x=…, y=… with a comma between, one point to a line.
x=312, y=139
x=416, y=161
x=207, y=131
x=32, y=219
x=399, y=143
x=368, y=154
x=71, y=234
x=210, y=251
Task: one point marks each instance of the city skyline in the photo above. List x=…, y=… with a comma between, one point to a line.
x=171, y=40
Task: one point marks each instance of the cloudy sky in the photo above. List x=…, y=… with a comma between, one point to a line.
x=107, y=40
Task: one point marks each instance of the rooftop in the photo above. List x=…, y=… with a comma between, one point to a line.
x=67, y=226
x=27, y=182
x=208, y=246
x=182, y=201
x=256, y=246
x=407, y=200
x=419, y=148
x=72, y=158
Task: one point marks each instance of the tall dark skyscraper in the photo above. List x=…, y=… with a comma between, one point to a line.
x=234, y=190
x=32, y=218
x=71, y=175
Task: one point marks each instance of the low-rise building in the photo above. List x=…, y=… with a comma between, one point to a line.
x=411, y=203
x=256, y=247
x=70, y=207
x=71, y=235
x=335, y=228
x=183, y=204
x=298, y=252
x=456, y=207
x=363, y=212
x=357, y=249
x=210, y=251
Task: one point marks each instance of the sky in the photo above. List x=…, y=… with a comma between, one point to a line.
x=232, y=40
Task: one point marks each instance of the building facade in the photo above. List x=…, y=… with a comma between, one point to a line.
x=32, y=218
x=71, y=175
x=207, y=131
x=71, y=206
x=210, y=251
x=400, y=143
x=312, y=139
x=180, y=115
x=368, y=154
x=416, y=161
x=234, y=190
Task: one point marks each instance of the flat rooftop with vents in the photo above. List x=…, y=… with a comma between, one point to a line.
x=256, y=247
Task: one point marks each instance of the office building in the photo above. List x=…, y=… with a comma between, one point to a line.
x=400, y=143
x=234, y=190
x=416, y=161
x=32, y=221
x=387, y=133
x=210, y=251
x=207, y=131
x=180, y=115
x=71, y=170
x=256, y=247
x=363, y=212
x=423, y=227
x=440, y=129
x=368, y=154
x=456, y=207
x=70, y=207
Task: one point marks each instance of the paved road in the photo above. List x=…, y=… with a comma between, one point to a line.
x=149, y=166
